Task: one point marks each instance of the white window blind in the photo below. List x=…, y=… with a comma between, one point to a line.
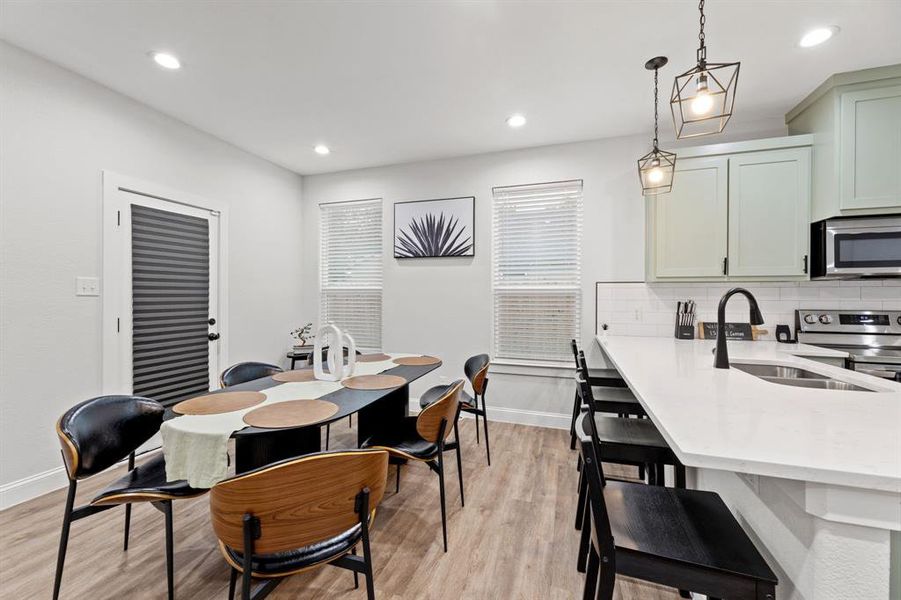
x=537, y=235
x=350, y=267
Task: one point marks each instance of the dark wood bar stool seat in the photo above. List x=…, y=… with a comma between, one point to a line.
x=97, y=434
x=298, y=514
x=423, y=439
x=685, y=539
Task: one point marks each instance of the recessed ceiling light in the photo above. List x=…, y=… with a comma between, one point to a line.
x=817, y=36
x=516, y=121
x=166, y=60
x=322, y=149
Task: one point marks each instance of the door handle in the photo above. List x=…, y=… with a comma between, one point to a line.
x=213, y=336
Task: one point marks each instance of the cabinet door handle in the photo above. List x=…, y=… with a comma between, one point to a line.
x=725, y=265
x=805, y=264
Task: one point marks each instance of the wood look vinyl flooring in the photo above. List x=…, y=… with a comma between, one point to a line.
x=514, y=539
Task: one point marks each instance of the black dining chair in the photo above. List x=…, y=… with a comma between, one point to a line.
x=476, y=370
x=422, y=439
x=247, y=371
x=350, y=418
x=299, y=514
x=684, y=539
x=97, y=434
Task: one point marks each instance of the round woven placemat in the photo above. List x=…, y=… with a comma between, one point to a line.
x=298, y=376
x=215, y=404
x=365, y=358
x=292, y=413
x=417, y=361
x=373, y=382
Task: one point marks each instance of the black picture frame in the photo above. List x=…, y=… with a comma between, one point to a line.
x=412, y=241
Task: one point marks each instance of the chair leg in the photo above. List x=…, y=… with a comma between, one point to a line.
x=485, y=425
x=328, y=431
x=606, y=581
x=580, y=506
x=641, y=472
x=170, y=567
x=356, y=577
x=680, y=475
x=460, y=464
x=131, y=465
x=367, y=558
x=397, y=483
x=64, y=538
x=572, y=424
x=591, y=574
x=232, y=583
x=350, y=420
x=476, y=414
x=441, y=491
x=584, y=540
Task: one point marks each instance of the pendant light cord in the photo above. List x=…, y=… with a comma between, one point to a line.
x=702, y=48
x=655, y=106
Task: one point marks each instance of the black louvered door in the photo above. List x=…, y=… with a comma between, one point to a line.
x=171, y=304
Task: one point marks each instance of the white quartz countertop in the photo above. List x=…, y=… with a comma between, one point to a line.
x=728, y=419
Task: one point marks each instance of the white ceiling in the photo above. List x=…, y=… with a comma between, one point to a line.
x=389, y=82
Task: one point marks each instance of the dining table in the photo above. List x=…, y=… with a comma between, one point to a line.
x=376, y=410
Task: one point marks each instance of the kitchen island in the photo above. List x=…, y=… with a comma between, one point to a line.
x=814, y=475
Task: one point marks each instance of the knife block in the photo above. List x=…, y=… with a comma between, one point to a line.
x=685, y=332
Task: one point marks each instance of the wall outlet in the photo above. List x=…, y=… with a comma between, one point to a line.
x=87, y=286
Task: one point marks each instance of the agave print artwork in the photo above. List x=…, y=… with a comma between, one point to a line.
x=429, y=228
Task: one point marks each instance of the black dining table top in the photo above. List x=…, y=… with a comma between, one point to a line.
x=348, y=400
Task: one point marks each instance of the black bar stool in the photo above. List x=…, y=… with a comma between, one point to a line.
x=685, y=539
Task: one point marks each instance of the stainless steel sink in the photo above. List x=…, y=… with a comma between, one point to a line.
x=797, y=377
x=820, y=384
x=779, y=371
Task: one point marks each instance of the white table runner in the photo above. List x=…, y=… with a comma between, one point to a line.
x=196, y=446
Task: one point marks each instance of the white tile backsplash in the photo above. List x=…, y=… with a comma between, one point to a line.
x=648, y=309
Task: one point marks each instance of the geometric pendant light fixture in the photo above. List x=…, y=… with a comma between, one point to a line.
x=656, y=168
x=703, y=96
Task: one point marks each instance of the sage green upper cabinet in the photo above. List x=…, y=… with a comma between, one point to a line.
x=690, y=224
x=737, y=211
x=871, y=148
x=769, y=197
x=855, y=120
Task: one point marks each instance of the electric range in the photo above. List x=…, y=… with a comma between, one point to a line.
x=871, y=337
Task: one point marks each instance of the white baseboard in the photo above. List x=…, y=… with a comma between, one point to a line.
x=16, y=492
x=534, y=418
x=28, y=488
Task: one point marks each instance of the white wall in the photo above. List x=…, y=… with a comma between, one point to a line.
x=444, y=306
x=59, y=131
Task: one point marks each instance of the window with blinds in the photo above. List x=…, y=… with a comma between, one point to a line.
x=537, y=242
x=350, y=267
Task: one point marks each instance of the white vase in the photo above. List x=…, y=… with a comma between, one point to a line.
x=337, y=370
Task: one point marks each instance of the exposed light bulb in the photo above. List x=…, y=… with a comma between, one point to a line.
x=702, y=102
x=655, y=175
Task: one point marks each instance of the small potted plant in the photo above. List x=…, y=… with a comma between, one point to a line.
x=302, y=335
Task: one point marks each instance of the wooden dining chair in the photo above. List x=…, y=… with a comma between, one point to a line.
x=350, y=418
x=299, y=514
x=97, y=434
x=685, y=539
x=422, y=439
x=247, y=371
x=476, y=370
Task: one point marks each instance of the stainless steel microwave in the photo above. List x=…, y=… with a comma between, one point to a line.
x=855, y=247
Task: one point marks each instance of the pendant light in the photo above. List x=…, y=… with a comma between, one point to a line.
x=703, y=96
x=656, y=168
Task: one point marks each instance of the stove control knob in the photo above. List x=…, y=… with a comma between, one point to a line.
x=810, y=319
x=825, y=319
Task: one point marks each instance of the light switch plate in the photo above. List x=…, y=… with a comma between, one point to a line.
x=87, y=286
